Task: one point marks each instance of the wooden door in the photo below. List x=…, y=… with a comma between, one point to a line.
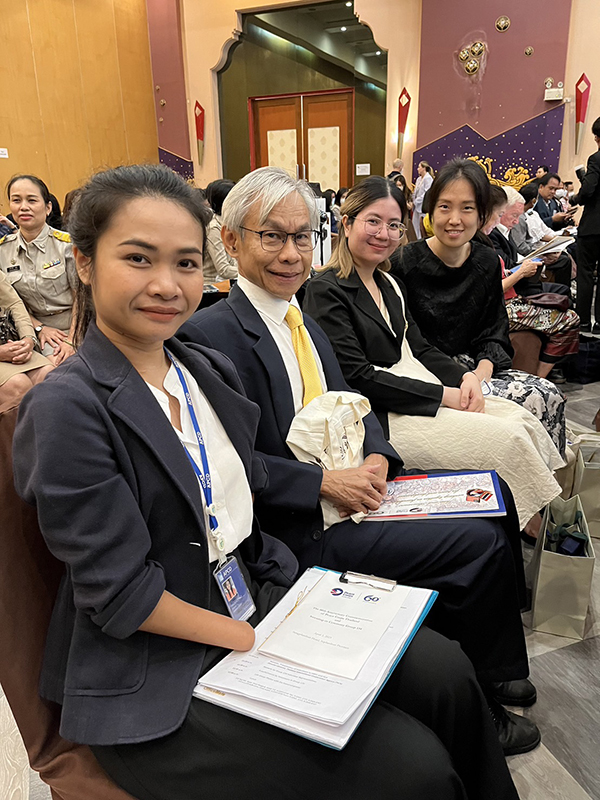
x=310, y=135
x=277, y=133
x=328, y=138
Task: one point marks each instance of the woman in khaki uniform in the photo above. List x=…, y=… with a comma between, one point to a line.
x=20, y=366
x=38, y=262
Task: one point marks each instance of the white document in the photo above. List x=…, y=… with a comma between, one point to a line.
x=336, y=627
x=556, y=245
x=308, y=702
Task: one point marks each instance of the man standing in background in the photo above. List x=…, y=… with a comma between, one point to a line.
x=588, y=240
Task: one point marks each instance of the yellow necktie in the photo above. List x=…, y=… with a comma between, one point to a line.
x=305, y=355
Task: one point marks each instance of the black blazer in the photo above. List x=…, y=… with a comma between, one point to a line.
x=289, y=506
x=345, y=310
x=507, y=250
x=119, y=504
x=589, y=198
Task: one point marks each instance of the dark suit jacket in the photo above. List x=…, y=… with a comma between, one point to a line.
x=345, y=310
x=119, y=504
x=507, y=250
x=289, y=506
x=546, y=213
x=589, y=198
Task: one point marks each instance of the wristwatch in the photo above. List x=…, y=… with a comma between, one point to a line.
x=38, y=328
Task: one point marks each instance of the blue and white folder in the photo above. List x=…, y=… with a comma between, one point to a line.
x=317, y=705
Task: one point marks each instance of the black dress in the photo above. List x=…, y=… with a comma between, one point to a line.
x=461, y=311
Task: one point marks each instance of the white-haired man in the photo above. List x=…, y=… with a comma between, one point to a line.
x=397, y=167
x=270, y=224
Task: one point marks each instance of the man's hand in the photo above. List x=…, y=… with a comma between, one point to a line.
x=354, y=490
x=379, y=461
x=562, y=217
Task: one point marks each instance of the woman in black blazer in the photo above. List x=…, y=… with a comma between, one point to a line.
x=427, y=403
x=138, y=616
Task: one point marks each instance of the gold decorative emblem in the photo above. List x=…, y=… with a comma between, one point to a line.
x=464, y=54
x=529, y=51
x=516, y=177
x=502, y=24
x=472, y=66
x=477, y=49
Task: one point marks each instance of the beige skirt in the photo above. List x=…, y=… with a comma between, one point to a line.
x=506, y=438
x=7, y=370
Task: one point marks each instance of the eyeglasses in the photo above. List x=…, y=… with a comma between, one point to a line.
x=373, y=226
x=274, y=241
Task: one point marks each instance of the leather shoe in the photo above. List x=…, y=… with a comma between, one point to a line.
x=516, y=734
x=515, y=693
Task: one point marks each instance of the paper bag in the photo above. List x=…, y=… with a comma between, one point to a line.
x=561, y=584
x=330, y=432
x=586, y=480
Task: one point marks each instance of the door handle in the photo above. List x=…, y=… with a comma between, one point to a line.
x=297, y=172
x=304, y=171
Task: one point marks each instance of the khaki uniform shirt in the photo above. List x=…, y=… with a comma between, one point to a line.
x=43, y=274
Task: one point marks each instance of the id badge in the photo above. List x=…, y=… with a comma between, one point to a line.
x=233, y=587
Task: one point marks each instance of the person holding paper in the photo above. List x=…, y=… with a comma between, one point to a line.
x=285, y=361
x=150, y=508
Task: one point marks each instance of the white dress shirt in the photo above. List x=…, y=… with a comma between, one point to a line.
x=230, y=488
x=536, y=227
x=272, y=311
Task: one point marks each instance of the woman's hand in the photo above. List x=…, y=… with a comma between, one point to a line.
x=22, y=352
x=471, y=396
x=63, y=352
x=8, y=351
x=53, y=337
x=527, y=269
x=484, y=370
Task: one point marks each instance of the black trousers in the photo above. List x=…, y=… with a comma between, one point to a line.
x=588, y=258
x=473, y=565
x=429, y=736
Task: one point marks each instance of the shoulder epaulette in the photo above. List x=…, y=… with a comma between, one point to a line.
x=2, y=240
x=62, y=235
x=9, y=237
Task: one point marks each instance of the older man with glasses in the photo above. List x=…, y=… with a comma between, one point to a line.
x=270, y=225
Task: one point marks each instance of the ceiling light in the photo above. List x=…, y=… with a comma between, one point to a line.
x=343, y=28
x=378, y=52
x=349, y=4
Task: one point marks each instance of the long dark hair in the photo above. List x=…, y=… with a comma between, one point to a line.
x=102, y=198
x=457, y=169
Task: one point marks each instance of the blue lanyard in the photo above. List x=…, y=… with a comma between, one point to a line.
x=204, y=474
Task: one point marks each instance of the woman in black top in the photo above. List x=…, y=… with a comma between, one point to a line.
x=454, y=291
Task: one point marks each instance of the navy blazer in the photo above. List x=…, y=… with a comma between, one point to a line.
x=361, y=339
x=547, y=212
x=289, y=507
x=119, y=504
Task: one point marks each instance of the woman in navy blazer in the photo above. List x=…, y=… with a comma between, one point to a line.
x=138, y=617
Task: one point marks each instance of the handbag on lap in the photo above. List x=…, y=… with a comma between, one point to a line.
x=8, y=329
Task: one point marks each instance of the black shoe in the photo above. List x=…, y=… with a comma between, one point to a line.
x=557, y=376
x=515, y=693
x=585, y=327
x=596, y=328
x=516, y=734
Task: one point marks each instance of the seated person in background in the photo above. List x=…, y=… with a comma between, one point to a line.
x=138, y=616
x=423, y=398
x=558, y=328
x=285, y=361
x=218, y=265
x=455, y=296
x=21, y=367
x=530, y=233
x=38, y=262
x=548, y=207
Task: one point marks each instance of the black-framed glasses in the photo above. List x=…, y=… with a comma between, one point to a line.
x=274, y=241
x=373, y=226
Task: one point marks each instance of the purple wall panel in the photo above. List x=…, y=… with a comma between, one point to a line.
x=528, y=145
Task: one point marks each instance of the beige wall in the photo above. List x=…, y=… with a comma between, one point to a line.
x=210, y=27
x=396, y=26
x=583, y=56
x=77, y=88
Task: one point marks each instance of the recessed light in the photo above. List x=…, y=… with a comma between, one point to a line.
x=378, y=52
x=343, y=28
x=349, y=4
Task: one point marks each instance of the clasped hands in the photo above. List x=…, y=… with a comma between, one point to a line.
x=356, y=489
x=468, y=397
x=18, y=352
